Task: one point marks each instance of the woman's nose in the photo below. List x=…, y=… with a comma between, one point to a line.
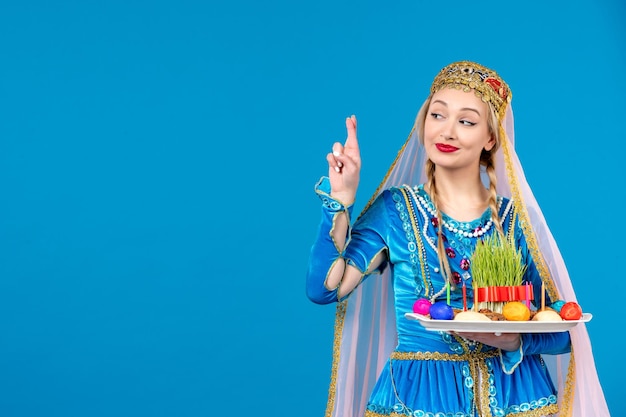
x=448, y=131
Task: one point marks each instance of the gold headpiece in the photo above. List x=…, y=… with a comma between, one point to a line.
x=468, y=75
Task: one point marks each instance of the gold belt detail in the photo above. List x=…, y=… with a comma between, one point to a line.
x=437, y=356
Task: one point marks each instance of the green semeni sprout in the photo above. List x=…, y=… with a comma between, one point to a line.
x=496, y=262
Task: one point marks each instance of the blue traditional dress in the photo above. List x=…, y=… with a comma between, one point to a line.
x=430, y=373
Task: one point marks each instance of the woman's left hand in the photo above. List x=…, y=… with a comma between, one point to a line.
x=504, y=341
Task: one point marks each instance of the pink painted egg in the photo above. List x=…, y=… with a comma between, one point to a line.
x=422, y=306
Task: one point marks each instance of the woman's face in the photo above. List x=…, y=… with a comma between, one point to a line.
x=456, y=129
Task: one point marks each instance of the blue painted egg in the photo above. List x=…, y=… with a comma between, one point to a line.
x=441, y=311
x=557, y=305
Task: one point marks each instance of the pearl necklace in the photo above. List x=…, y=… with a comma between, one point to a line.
x=479, y=231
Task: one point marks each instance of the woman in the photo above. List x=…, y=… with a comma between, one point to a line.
x=455, y=181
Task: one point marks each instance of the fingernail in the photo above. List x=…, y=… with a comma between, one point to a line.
x=337, y=169
x=339, y=164
x=335, y=153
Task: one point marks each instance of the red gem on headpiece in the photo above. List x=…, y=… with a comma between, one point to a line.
x=497, y=86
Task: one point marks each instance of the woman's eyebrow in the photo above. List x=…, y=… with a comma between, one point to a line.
x=463, y=109
x=471, y=109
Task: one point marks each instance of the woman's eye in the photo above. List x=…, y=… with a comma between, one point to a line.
x=436, y=115
x=467, y=123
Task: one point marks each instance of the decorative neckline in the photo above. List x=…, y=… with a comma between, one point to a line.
x=473, y=228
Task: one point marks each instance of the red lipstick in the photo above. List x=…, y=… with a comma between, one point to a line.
x=446, y=148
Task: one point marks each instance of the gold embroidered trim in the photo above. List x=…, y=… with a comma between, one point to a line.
x=418, y=240
x=539, y=412
x=332, y=390
x=438, y=356
x=566, y=406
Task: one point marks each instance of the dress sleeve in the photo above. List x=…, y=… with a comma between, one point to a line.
x=324, y=252
x=369, y=235
x=362, y=243
x=536, y=344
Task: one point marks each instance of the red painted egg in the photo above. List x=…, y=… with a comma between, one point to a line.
x=571, y=311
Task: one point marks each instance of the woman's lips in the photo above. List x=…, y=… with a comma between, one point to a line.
x=446, y=148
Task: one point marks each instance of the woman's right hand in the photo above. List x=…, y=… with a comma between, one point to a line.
x=344, y=166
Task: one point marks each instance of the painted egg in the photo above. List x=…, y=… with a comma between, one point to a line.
x=441, y=311
x=422, y=306
x=571, y=311
x=557, y=305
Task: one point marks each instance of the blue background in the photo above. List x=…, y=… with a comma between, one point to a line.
x=157, y=163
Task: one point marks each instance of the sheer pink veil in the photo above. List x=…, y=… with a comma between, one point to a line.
x=365, y=323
